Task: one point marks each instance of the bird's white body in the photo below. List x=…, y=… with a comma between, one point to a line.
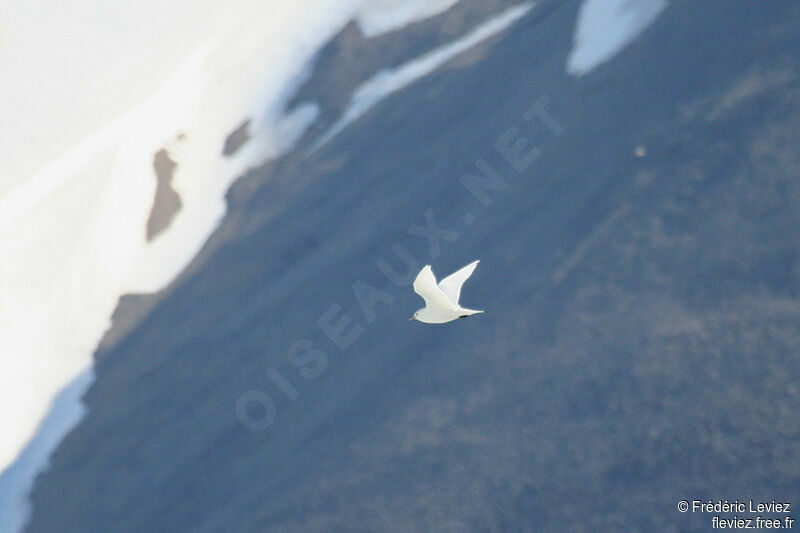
x=441, y=300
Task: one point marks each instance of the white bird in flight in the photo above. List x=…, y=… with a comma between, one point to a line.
x=441, y=301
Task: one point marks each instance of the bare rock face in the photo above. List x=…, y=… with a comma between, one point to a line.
x=236, y=139
x=167, y=202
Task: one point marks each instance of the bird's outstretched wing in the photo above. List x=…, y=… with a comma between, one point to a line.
x=425, y=285
x=451, y=285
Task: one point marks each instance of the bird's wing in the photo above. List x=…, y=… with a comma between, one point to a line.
x=425, y=285
x=451, y=285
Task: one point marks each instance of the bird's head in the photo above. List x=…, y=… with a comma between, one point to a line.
x=414, y=316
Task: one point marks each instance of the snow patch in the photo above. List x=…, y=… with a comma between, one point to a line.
x=605, y=27
x=382, y=16
x=386, y=82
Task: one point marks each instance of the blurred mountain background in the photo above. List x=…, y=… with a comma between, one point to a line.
x=638, y=234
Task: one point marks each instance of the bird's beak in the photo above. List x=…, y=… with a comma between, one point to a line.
x=410, y=319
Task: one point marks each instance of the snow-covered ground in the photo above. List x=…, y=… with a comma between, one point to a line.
x=605, y=27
